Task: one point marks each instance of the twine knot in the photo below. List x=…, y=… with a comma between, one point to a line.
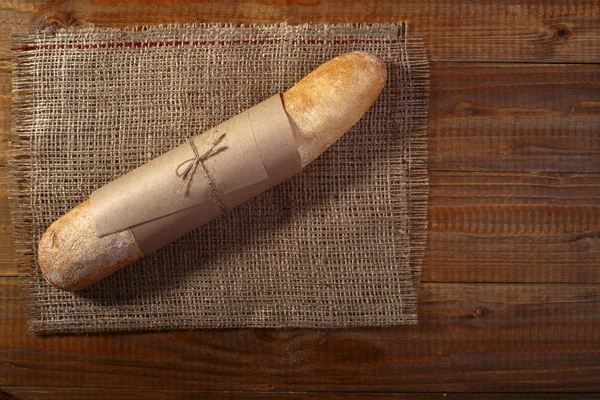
x=191, y=165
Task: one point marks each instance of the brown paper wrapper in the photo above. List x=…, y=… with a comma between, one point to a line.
x=256, y=152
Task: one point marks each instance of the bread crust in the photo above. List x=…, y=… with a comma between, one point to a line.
x=331, y=99
x=72, y=257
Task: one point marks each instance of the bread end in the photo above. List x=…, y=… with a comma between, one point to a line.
x=72, y=257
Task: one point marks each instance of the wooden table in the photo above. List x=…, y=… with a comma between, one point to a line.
x=510, y=300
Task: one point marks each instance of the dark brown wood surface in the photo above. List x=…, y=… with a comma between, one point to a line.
x=510, y=300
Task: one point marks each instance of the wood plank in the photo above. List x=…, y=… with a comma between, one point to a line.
x=560, y=31
x=6, y=396
x=7, y=264
x=510, y=227
x=471, y=337
x=521, y=118
x=130, y=394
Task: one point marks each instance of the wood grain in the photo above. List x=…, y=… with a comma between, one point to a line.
x=560, y=31
x=514, y=117
x=128, y=394
x=511, y=296
x=7, y=265
x=513, y=227
x=471, y=337
x=5, y=396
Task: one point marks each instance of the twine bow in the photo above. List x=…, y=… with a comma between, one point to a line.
x=191, y=165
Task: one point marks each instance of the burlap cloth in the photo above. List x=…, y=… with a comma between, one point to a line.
x=338, y=246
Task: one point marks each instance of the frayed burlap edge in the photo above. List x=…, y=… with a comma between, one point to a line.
x=19, y=174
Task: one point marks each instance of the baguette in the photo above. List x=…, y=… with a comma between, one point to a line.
x=320, y=108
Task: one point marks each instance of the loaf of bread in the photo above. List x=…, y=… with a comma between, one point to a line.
x=320, y=108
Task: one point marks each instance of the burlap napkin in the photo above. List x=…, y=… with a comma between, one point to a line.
x=339, y=245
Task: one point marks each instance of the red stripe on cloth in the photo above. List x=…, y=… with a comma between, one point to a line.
x=196, y=43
